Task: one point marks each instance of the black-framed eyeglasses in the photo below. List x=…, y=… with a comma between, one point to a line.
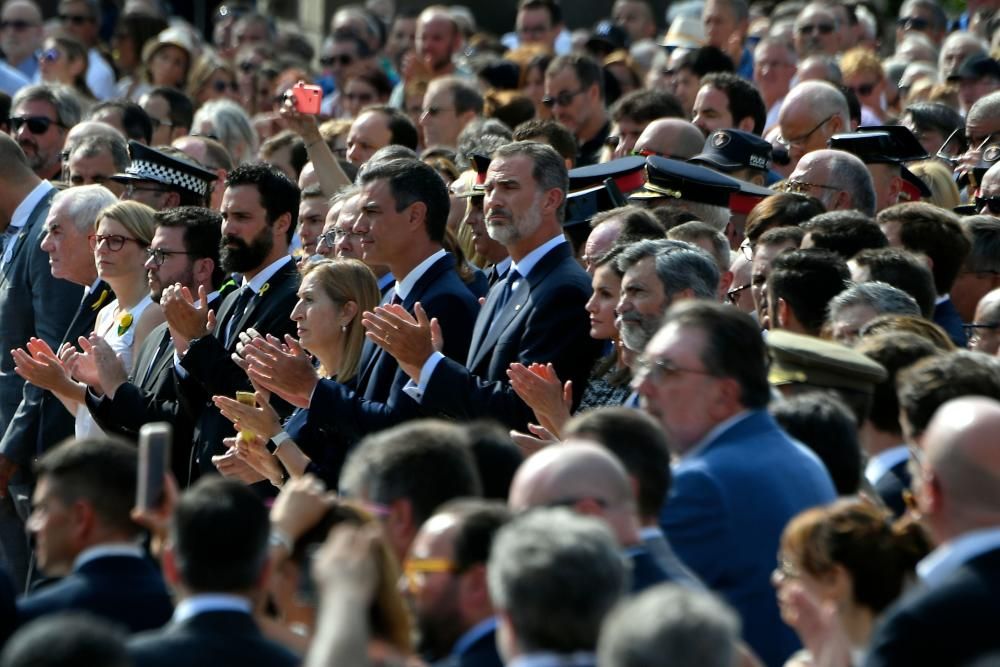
x=658, y=370
x=788, y=143
x=222, y=86
x=821, y=28
x=563, y=99
x=975, y=330
x=159, y=255
x=733, y=295
x=912, y=23
x=35, y=124
x=343, y=59
x=17, y=25
x=113, y=242
x=75, y=19
x=992, y=204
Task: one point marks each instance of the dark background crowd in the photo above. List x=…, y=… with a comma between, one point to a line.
x=486, y=336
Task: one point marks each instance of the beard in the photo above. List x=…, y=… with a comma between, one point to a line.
x=157, y=282
x=243, y=256
x=515, y=228
x=636, y=330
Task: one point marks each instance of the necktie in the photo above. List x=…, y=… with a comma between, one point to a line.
x=508, y=287
x=493, y=276
x=242, y=301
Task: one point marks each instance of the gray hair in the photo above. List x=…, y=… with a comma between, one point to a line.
x=549, y=171
x=557, y=575
x=232, y=126
x=62, y=99
x=679, y=266
x=882, y=297
x=94, y=145
x=695, y=231
x=715, y=216
x=984, y=232
x=670, y=625
x=84, y=203
x=851, y=175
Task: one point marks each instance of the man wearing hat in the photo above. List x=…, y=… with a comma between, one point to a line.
x=161, y=180
x=977, y=77
x=736, y=153
x=884, y=149
x=472, y=189
x=690, y=187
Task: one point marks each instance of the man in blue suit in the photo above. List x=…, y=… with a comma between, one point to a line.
x=739, y=477
x=535, y=314
x=84, y=533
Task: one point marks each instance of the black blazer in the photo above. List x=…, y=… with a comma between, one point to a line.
x=480, y=653
x=123, y=589
x=891, y=486
x=210, y=639
x=379, y=401
x=949, y=624
x=212, y=372
x=544, y=320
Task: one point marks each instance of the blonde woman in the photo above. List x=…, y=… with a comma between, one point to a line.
x=939, y=179
x=212, y=78
x=863, y=73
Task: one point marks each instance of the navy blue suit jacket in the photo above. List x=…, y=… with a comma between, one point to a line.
x=728, y=504
x=946, y=316
x=123, y=589
x=480, y=653
x=543, y=321
x=949, y=624
x=378, y=401
x=891, y=486
x=210, y=639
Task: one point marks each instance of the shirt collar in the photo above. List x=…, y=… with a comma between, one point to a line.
x=941, y=299
x=528, y=262
x=27, y=205
x=405, y=286
x=650, y=533
x=719, y=429
x=385, y=281
x=200, y=604
x=879, y=464
x=503, y=265
x=548, y=659
x=107, y=550
x=948, y=557
x=258, y=281
x=474, y=634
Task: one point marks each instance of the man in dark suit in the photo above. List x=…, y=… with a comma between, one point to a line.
x=453, y=609
x=84, y=533
x=401, y=225
x=184, y=250
x=959, y=600
x=41, y=421
x=703, y=376
x=259, y=211
x=536, y=314
x=216, y=560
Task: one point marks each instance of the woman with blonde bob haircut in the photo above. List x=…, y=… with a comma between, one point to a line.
x=333, y=295
x=863, y=73
x=939, y=179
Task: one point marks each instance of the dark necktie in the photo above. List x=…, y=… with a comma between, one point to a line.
x=508, y=287
x=493, y=276
x=236, y=314
x=155, y=359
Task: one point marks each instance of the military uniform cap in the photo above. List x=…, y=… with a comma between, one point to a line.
x=798, y=359
x=674, y=179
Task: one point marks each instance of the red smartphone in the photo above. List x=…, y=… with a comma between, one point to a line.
x=307, y=97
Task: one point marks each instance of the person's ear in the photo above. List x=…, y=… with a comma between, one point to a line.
x=348, y=312
x=172, y=200
x=746, y=124
x=895, y=187
x=280, y=227
x=203, y=269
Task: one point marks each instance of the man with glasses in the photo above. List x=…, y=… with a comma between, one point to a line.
x=538, y=22
x=95, y=160
x=703, y=376
x=170, y=112
x=574, y=91
x=885, y=149
x=817, y=31
x=450, y=104
x=841, y=181
x=82, y=19
x=980, y=272
x=163, y=181
x=343, y=54
x=21, y=35
x=923, y=16
x=984, y=328
x=40, y=117
x=125, y=116
x=813, y=111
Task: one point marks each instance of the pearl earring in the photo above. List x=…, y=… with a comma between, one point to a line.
x=343, y=328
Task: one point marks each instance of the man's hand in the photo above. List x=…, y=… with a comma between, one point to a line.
x=7, y=470
x=411, y=340
x=231, y=465
x=540, y=438
x=540, y=387
x=186, y=319
x=285, y=370
x=111, y=372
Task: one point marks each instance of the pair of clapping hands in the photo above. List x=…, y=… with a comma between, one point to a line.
x=94, y=363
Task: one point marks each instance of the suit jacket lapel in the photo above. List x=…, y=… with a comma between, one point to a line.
x=19, y=240
x=86, y=313
x=283, y=274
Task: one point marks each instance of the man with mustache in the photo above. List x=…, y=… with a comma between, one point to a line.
x=40, y=117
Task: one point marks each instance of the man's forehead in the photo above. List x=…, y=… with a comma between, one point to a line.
x=515, y=167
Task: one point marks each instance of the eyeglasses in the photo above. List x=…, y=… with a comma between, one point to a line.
x=17, y=24
x=433, y=111
x=362, y=98
x=35, y=124
x=75, y=19
x=131, y=189
x=659, y=370
x=788, y=143
x=563, y=99
x=733, y=295
x=913, y=23
x=114, y=242
x=415, y=570
x=821, y=28
x=334, y=236
x=864, y=90
x=49, y=56
x=159, y=255
x=991, y=203
x=796, y=186
x=974, y=330
x=786, y=570
x=223, y=86
x=156, y=123
x=343, y=59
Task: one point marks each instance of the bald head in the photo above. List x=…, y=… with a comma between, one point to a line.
x=813, y=111
x=838, y=179
x=672, y=137
x=573, y=471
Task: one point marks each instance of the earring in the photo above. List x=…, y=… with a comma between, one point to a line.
x=343, y=328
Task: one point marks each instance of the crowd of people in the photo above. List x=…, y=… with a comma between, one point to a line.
x=669, y=341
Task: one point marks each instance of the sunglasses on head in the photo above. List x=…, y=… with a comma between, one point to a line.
x=992, y=204
x=36, y=124
x=344, y=59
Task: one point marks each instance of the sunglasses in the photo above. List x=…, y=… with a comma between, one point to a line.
x=864, y=90
x=157, y=123
x=363, y=98
x=36, y=124
x=343, y=60
x=49, y=56
x=223, y=86
x=563, y=99
x=992, y=204
x=913, y=23
x=17, y=25
x=733, y=295
x=75, y=19
x=821, y=28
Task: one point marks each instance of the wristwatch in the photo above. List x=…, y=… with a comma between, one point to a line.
x=276, y=441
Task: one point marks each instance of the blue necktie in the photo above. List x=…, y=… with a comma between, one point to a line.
x=508, y=287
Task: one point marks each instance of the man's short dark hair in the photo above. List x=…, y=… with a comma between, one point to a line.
x=219, y=531
x=733, y=346
x=822, y=422
x=68, y=639
x=934, y=117
x=551, y=6
x=637, y=223
x=278, y=194
x=496, y=456
x=588, y=71
x=936, y=233
x=202, y=233
x=135, y=120
x=780, y=210
x=807, y=280
x=930, y=383
x=895, y=352
x=705, y=60
x=984, y=251
x=782, y=235
x=412, y=181
x=402, y=131
x=286, y=139
x=554, y=134
x=181, y=109
x=465, y=95
x=845, y=232
x=100, y=470
x=745, y=100
x=478, y=523
x=216, y=155
x=639, y=443
x=901, y=268
x=645, y=106
x=426, y=462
